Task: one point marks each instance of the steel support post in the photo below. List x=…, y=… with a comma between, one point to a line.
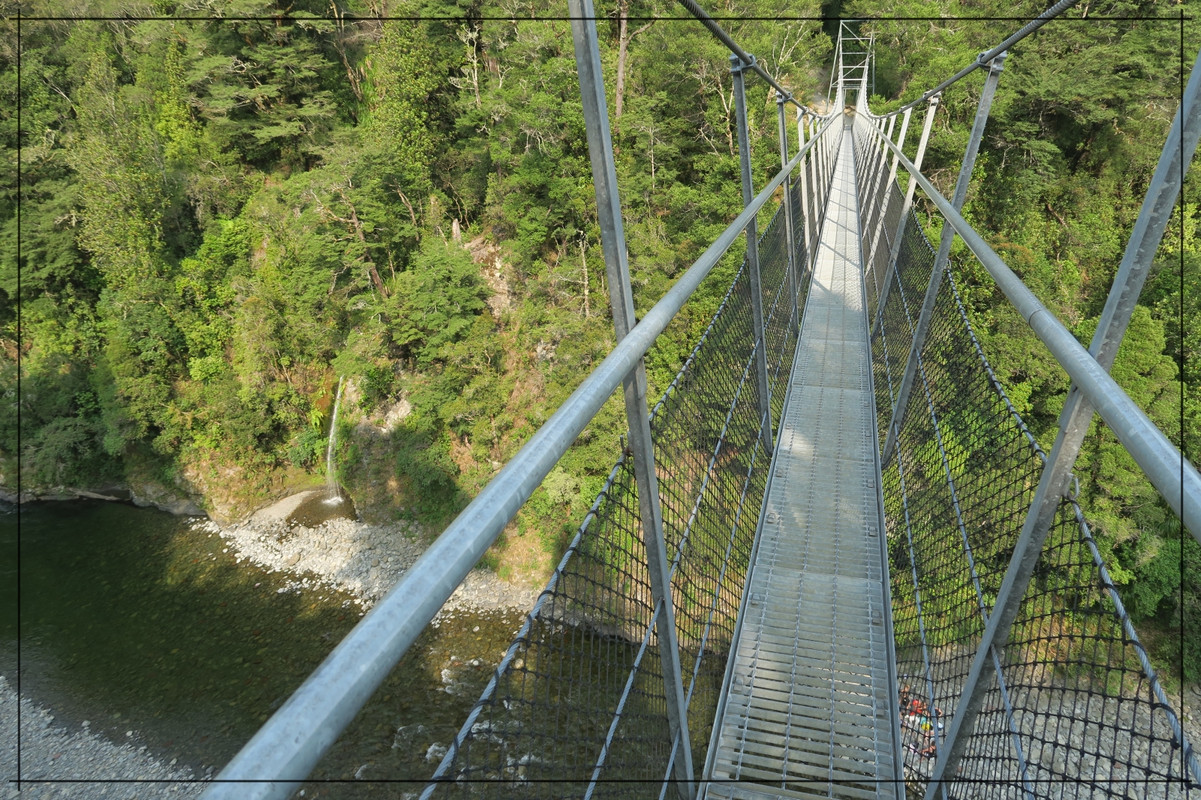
x=871, y=47
x=888, y=183
x=881, y=157
x=815, y=202
x=737, y=66
x=944, y=252
x=803, y=174
x=815, y=181
x=819, y=208
x=840, y=101
x=812, y=125
x=879, y=153
x=861, y=100
x=832, y=156
x=1077, y=413
x=877, y=209
x=789, y=233
x=865, y=165
x=604, y=177
x=823, y=166
x=819, y=183
x=868, y=130
x=828, y=162
x=892, y=170
x=895, y=251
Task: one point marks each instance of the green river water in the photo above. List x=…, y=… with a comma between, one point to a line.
x=135, y=620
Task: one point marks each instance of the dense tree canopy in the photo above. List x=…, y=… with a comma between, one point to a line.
x=227, y=208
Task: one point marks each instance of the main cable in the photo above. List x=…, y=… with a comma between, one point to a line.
x=984, y=58
x=748, y=60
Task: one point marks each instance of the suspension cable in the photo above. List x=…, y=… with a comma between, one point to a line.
x=984, y=58
x=747, y=59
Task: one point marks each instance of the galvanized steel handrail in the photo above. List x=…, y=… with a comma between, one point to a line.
x=283, y=752
x=1077, y=411
x=1175, y=478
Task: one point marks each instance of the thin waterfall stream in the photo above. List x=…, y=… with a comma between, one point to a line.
x=333, y=492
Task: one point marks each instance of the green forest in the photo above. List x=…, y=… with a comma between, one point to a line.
x=215, y=213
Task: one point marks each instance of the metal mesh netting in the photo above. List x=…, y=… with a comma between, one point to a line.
x=867, y=153
x=817, y=183
x=1074, y=708
x=1082, y=715
x=800, y=197
x=577, y=705
x=881, y=205
x=881, y=249
x=902, y=298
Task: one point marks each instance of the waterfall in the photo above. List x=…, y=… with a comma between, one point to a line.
x=333, y=494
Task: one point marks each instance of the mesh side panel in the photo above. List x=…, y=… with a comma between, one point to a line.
x=1087, y=720
x=962, y=479
x=707, y=429
x=814, y=220
x=778, y=311
x=578, y=703
x=598, y=604
x=1072, y=711
x=874, y=198
x=882, y=241
x=902, y=305
x=801, y=254
x=880, y=213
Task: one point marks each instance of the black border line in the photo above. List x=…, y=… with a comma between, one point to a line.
x=17, y=301
x=553, y=781
x=1181, y=18
x=598, y=18
x=1180, y=376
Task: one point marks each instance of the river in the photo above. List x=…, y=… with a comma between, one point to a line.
x=135, y=620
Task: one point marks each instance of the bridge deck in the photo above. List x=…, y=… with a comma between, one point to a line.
x=810, y=707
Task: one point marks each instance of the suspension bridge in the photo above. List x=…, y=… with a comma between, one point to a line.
x=832, y=560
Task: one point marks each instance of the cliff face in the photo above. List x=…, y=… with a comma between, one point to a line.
x=174, y=499
x=225, y=494
x=204, y=484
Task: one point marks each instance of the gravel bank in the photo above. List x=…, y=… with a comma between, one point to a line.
x=363, y=560
x=50, y=751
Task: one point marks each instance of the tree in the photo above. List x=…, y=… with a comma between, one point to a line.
x=269, y=84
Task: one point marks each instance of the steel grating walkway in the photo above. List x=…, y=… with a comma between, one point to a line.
x=809, y=705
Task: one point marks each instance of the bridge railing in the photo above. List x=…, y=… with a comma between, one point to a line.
x=577, y=706
x=581, y=704
x=1054, y=697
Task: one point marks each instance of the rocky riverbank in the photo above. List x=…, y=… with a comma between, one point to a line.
x=51, y=751
x=362, y=559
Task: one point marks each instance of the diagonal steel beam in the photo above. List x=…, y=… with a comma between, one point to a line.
x=737, y=67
